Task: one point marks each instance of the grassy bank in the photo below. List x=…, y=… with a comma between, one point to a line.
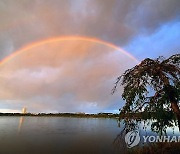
x=159, y=148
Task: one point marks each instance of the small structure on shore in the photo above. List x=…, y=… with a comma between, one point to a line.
x=80, y=113
x=24, y=110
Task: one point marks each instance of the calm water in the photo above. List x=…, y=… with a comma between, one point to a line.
x=57, y=135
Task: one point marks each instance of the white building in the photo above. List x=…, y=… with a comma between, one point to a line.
x=24, y=110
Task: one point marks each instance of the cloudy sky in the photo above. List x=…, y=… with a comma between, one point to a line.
x=65, y=55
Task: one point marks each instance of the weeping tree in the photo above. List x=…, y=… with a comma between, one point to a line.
x=152, y=87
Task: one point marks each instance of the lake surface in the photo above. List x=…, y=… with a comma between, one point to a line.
x=58, y=135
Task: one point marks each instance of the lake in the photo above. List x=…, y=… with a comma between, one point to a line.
x=58, y=135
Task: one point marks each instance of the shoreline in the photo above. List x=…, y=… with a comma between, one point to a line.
x=70, y=115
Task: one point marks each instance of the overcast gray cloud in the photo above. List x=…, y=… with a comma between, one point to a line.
x=75, y=75
x=116, y=21
x=65, y=76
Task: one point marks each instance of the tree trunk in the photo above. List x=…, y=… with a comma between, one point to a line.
x=176, y=110
x=172, y=97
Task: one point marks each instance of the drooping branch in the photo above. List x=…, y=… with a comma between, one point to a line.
x=157, y=75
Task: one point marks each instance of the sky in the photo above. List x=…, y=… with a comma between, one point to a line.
x=65, y=55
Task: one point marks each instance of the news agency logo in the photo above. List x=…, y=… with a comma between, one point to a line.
x=132, y=138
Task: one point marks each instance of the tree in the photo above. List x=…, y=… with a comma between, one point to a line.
x=152, y=87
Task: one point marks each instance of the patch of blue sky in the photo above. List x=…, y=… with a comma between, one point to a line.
x=163, y=42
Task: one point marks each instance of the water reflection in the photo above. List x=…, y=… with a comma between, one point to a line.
x=21, y=121
x=57, y=135
x=66, y=135
x=158, y=126
x=146, y=127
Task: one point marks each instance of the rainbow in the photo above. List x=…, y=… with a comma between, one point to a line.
x=65, y=38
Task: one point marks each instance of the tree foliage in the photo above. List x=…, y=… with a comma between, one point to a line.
x=152, y=86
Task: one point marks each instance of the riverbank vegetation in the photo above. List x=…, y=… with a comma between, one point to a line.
x=78, y=115
x=160, y=148
x=152, y=90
